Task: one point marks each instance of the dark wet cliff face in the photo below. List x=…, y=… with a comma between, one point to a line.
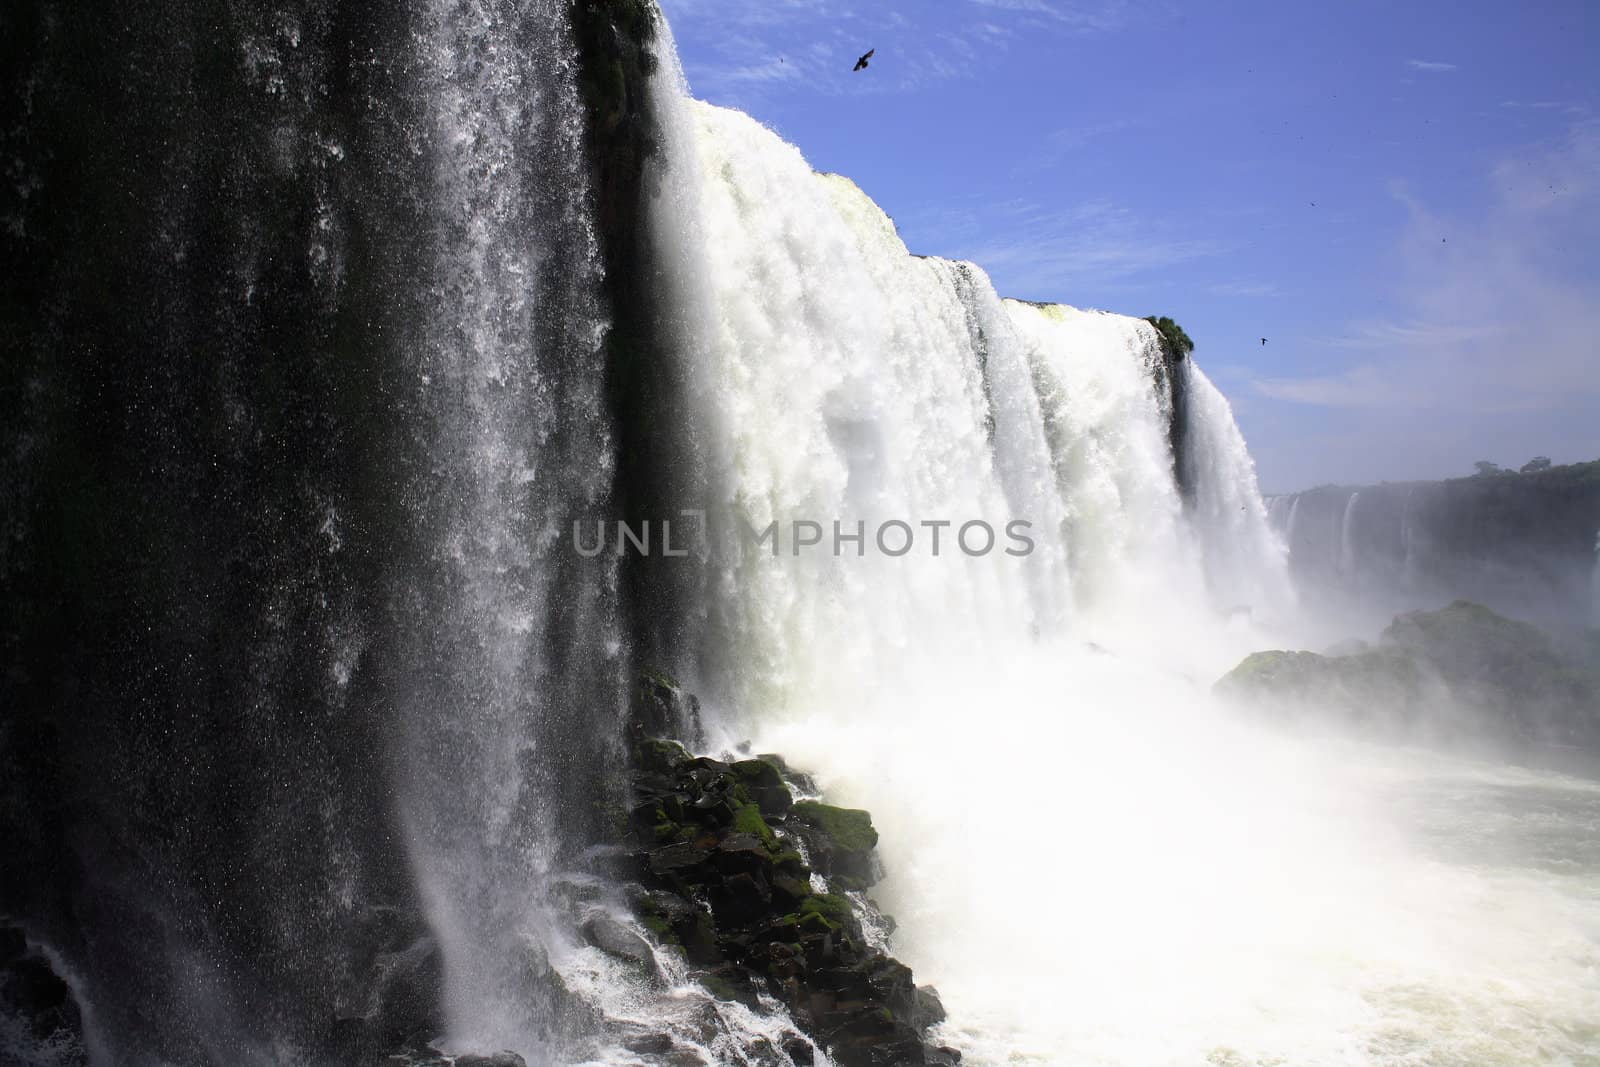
x=251, y=342
x=204, y=306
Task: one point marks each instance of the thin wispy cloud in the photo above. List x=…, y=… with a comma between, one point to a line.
x=750, y=51
x=1501, y=306
x=1243, y=289
x=1431, y=66
x=1045, y=252
x=1392, y=335
x=1084, y=16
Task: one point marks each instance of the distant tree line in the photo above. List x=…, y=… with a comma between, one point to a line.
x=1485, y=469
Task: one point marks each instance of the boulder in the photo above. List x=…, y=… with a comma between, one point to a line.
x=497, y=1059
x=764, y=783
x=617, y=940
x=841, y=841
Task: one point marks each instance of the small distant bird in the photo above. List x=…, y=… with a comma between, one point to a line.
x=1263, y=340
x=861, y=64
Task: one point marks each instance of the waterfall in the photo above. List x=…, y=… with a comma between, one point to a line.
x=315, y=717
x=1408, y=542
x=509, y=379
x=838, y=382
x=1246, y=562
x=1594, y=584
x=1347, y=551
x=843, y=381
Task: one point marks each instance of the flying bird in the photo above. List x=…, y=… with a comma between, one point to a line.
x=1263, y=340
x=861, y=64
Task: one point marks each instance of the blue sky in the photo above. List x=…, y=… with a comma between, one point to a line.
x=1402, y=197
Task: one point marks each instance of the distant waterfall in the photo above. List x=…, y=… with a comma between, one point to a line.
x=1347, y=550
x=1520, y=543
x=1594, y=584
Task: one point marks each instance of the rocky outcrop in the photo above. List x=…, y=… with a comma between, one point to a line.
x=762, y=894
x=1462, y=671
x=1171, y=377
x=41, y=1024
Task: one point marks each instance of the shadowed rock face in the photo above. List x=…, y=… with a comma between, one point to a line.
x=1460, y=672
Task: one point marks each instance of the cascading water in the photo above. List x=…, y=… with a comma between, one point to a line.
x=839, y=380
x=1245, y=561
x=1408, y=543
x=510, y=380
x=1347, y=548
x=1594, y=584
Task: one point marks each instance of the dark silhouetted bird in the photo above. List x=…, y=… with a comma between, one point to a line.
x=1263, y=340
x=861, y=64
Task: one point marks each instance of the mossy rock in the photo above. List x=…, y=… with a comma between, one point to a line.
x=764, y=783
x=747, y=819
x=830, y=906
x=849, y=829
x=840, y=840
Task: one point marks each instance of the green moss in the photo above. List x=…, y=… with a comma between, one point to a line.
x=830, y=906
x=850, y=828
x=747, y=820
x=759, y=774
x=791, y=862
x=817, y=922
